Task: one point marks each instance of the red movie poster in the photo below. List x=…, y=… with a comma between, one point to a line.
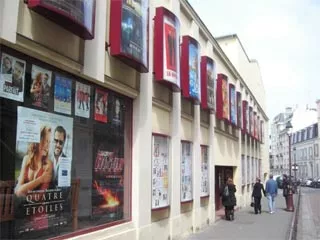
x=101, y=106
x=107, y=196
x=225, y=99
x=170, y=44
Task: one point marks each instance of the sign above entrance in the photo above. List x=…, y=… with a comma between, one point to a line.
x=76, y=16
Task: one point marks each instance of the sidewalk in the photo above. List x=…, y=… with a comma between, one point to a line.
x=247, y=225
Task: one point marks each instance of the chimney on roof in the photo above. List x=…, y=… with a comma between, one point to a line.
x=318, y=108
x=288, y=110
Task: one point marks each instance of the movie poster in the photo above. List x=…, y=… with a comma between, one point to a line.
x=160, y=172
x=225, y=99
x=43, y=158
x=62, y=94
x=12, y=77
x=186, y=171
x=233, y=106
x=247, y=119
x=210, y=85
x=239, y=109
x=250, y=121
x=107, y=185
x=255, y=126
x=82, y=100
x=204, y=191
x=134, y=30
x=80, y=11
x=171, y=58
x=40, y=87
x=101, y=106
x=194, y=71
x=116, y=115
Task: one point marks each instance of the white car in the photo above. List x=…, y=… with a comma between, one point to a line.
x=308, y=182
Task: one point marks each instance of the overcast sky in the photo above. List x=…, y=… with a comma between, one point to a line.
x=283, y=35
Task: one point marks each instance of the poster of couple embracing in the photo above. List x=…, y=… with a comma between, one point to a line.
x=42, y=170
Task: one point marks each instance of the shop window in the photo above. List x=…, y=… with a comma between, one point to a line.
x=65, y=152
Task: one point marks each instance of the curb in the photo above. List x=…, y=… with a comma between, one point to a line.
x=293, y=225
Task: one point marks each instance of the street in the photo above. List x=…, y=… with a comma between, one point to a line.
x=308, y=226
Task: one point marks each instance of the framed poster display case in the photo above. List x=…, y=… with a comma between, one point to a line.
x=190, y=69
x=208, y=76
x=167, y=48
x=186, y=172
x=77, y=17
x=129, y=29
x=160, y=171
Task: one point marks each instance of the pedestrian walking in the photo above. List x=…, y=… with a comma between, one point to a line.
x=271, y=192
x=229, y=198
x=285, y=186
x=256, y=195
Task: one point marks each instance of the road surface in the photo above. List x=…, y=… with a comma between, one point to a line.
x=308, y=226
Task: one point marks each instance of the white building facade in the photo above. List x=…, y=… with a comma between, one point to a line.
x=305, y=152
x=279, y=143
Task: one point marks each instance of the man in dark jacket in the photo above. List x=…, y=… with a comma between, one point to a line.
x=256, y=194
x=229, y=198
x=285, y=187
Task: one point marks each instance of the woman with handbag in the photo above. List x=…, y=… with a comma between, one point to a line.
x=256, y=195
x=229, y=198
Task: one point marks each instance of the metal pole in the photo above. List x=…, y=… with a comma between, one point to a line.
x=290, y=180
x=295, y=170
x=290, y=206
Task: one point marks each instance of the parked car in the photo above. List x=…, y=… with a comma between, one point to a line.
x=315, y=183
x=308, y=182
x=279, y=180
x=304, y=181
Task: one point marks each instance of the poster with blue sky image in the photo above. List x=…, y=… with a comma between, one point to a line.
x=194, y=71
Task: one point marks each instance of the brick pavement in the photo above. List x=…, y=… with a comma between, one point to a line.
x=247, y=225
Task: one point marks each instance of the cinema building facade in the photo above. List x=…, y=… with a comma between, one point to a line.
x=122, y=120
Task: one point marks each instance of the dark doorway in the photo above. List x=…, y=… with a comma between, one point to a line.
x=221, y=175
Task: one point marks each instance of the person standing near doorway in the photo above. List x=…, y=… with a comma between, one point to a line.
x=272, y=192
x=285, y=187
x=256, y=195
x=229, y=199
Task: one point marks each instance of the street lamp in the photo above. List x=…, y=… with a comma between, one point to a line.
x=289, y=201
x=295, y=169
